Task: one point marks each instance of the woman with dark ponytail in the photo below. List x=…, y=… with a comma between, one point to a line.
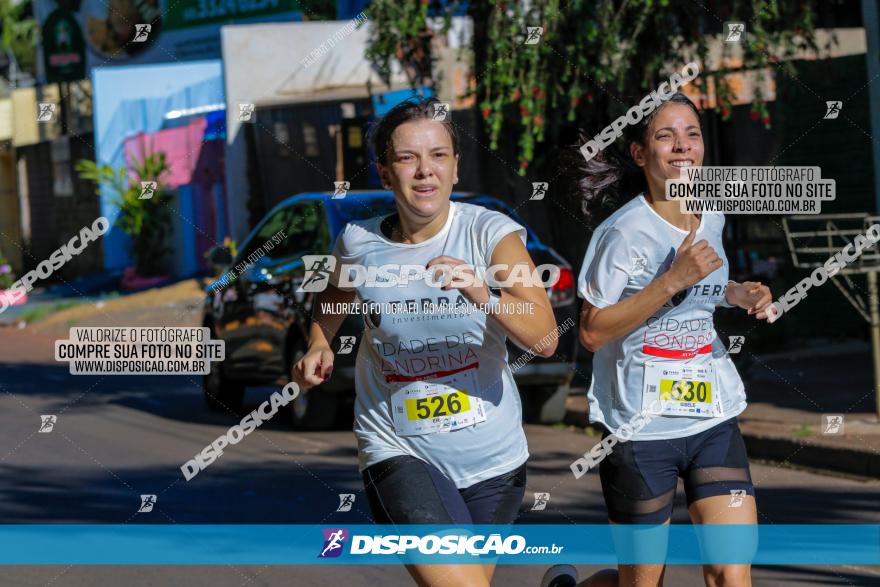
x=663, y=384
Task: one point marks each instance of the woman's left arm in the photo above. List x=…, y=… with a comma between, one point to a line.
x=524, y=310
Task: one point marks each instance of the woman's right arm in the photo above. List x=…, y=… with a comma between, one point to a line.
x=692, y=263
x=316, y=365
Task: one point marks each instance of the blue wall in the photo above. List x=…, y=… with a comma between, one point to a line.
x=128, y=100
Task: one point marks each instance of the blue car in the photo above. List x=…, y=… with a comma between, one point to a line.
x=256, y=309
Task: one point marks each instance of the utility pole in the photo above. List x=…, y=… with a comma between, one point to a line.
x=872, y=36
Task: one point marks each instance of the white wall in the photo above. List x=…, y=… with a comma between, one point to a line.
x=264, y=63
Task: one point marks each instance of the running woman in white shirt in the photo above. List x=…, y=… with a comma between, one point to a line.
x=437, y=413
x=650, y=282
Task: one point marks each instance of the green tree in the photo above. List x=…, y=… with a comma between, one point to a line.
x=146, y=221
x=594, y=59
x=19, y=34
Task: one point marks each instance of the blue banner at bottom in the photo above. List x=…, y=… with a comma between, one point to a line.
x=527, y=544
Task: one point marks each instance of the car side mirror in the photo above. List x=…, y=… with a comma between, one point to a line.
x=219, y=256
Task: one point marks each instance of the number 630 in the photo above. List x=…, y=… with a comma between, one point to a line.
x=698, y=390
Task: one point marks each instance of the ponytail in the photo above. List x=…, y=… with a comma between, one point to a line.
x=604, y=183
x=610, y=178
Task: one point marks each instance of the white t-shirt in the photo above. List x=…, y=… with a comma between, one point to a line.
x=416, y=345
x=627, y=252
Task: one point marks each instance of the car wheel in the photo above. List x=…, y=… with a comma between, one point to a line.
x=312, y=409
x=222, y=395
x=544, y=404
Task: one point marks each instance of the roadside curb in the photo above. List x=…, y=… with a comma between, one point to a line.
x=777, y=449
x=784, y=450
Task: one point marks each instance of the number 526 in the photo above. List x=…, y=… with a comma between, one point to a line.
x=439, y=405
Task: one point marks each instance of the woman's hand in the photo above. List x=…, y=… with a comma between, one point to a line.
x=693, y=262
x=750, y=295
x=314, y=368
x=462, y=277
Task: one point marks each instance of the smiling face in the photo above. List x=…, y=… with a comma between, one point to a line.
x=420, y=168
x=672, y=140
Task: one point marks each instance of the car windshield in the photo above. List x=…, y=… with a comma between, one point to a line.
x=362, y=208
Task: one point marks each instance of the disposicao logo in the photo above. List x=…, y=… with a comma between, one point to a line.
x=333, y=542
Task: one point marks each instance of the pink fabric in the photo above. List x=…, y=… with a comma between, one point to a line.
x=14, y=297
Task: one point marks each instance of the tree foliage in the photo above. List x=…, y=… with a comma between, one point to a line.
x=595, y=58
x=18, y=33
x=146, y=221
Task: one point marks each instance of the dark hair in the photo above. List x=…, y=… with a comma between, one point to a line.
x=410, y=109
x=611, y=178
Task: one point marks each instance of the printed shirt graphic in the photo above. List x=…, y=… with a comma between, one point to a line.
x=627, y=252
x=418, y=345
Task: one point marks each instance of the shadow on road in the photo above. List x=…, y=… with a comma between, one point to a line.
x=175, y=397
x=833, y=384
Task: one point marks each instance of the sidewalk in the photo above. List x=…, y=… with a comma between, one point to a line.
x=178, y=304
x=788, y=396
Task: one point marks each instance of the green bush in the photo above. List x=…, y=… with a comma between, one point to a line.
x=146, y=221
x=7, y=276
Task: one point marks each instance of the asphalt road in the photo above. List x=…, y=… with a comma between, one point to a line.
x=121, y=436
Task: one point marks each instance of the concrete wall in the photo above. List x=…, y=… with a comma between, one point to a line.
x=55, y=219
